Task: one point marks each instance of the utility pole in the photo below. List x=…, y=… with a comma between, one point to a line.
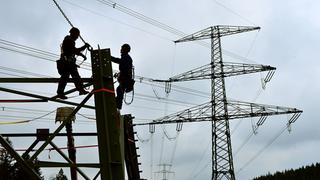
x=107, y=117
x=220, y=110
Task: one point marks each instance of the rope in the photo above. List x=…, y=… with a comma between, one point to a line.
x=125, y=98
x=26, y=121
x=65, y=16
x=125, y=95
x=50, y=149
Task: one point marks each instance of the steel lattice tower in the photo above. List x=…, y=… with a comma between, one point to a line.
x=220, y=110
x=222, y=166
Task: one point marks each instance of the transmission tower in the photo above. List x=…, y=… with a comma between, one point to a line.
x=165, y=172
x=220, y=110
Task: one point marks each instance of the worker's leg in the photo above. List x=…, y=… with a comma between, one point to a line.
x=77, y=80
x=119, y=98
x=62, y=83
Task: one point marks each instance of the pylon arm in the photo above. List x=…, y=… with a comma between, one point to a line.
x=236, y=109
x=229, y=69
x=216, y=31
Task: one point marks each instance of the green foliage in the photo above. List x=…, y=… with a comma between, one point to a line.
x=10, y=169
x=60, y=176
x=6, y=163
x=304, y=173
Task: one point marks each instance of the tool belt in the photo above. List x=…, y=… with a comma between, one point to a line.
x=64, y=63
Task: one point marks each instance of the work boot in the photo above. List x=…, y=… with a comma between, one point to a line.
x=61, y=96
x=83, y=92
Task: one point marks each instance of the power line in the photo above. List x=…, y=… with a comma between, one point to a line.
x=22, y=72
x=142, y=17
x=33, y=52
x=162, y=26
x=117, y=21
x=234, y=12
x=263, y=149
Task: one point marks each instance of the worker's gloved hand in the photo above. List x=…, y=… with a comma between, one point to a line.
x=87, y=45
x=84, y=57
x=116, y=75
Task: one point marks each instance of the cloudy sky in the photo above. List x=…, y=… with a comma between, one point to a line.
x=288, y=40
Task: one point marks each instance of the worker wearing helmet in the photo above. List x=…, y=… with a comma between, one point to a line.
x=67, y=63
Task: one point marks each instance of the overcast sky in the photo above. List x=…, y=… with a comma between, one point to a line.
x=288, y=40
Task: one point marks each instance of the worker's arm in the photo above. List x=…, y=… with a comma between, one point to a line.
x=115, y=60
x=79, y=50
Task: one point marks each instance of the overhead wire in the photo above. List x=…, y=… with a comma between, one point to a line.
x=180, y=89
x=162, y=26
x=24, y=121
x=27, y=119
x=22, y=72
x=33, y=112
x=67, y=19
x=262, y=149
x=142, y=17
x=197, y=165
x=33, y=52
x=14, y=75
x=200, y=171
x=234, y=12
x=115, y=20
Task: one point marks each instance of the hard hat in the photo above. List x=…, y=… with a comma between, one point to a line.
x=74, y=30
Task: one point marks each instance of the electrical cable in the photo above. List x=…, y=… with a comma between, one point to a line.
x=262, y=149
x=199, y=172
x=117, y=21
x=199, y=161
x=68, y=20
x=22, y=72
x=33, y=52
x=26, y=121
x=162, y=26
x=235, y=13
x=62, y=148
x=174, y=148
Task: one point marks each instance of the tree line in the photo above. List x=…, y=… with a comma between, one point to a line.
x=11, y=170
x=311, y=172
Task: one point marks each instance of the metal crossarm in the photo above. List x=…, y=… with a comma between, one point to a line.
x=216, y=32
x=236, y=110
x=229, y=69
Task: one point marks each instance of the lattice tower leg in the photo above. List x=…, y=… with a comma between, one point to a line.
x=222, y=162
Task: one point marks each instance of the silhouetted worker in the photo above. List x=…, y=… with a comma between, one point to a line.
x=125, y=75
x=67, y=65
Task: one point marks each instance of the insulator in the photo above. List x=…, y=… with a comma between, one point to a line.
x=261, y=120
x=294, y=118
x=263, y=84
x=152, y=128
x=179, y=126
x=255, y=129
x=269, y=76
x=289, y=127
x=167, y=87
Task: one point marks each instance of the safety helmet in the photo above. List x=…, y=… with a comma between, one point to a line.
x=126, y=47
x=74, y=30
